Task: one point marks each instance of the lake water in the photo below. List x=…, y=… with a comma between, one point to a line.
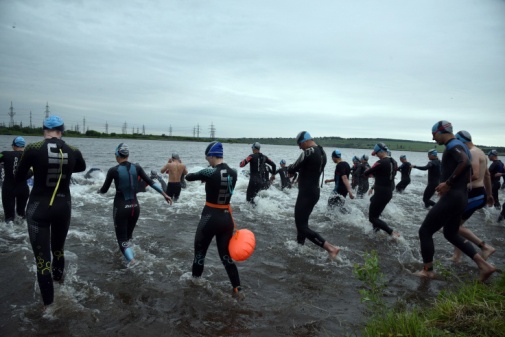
x=290, y=290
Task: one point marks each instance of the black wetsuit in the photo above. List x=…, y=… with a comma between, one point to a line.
x=448, y=211
x=219, y=185
x=405, y=179
x=354, y=175
x=285, y=179
x=174, y=190
x=310, y=166
x=363, y=184
x=495, y=167
x=383, y=171
x=14, y=194
x=342, y=169
x=49, y=207
x=434, y=168
x=258, y=174
x=126, y=209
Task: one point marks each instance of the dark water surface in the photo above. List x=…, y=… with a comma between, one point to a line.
x=291, y=290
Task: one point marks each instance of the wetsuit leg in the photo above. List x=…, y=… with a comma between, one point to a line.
x=303, y=208
x=39, y=238
x=223, y=236
x=428, y=193
x=8, y=202
x=203, y=238
x=495, y=188
x=378, y=203
x=59, y=230
x=253, y=188
x=22, y=195
x=125, y=219
x=400, y=187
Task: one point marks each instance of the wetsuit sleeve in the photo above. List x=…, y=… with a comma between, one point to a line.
x=459, y=155
x=1, y=157
x=25, y=164
x=424, y=168
x=245, y=161
x=295, y=167
x=108, y=180
x=272, y=164
x=201, y=175
x=372, y=169
x=142, y=174
x=80, y=164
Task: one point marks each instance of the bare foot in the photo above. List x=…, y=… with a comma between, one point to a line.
x=425, y=273
x=455, y=258
x=486, y=272
x=487, y=251
x=395, y=234
x=333, y=253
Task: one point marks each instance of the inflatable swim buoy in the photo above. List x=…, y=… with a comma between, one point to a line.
x=242, y=245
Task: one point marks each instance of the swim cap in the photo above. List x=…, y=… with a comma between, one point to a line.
x=403, y=156
x=464, y=136
x=378, y=148
x=214, y=149
x=336, y=154
x=53, y=123
x=492, y=153
x=364, y=157
x=303, y=137
x=433, y=152
x=355, y=159
x=256, y=146
x=175, y=156
x=283, y=162
x=122, y=150
x=18, y=141
x=442, y=127
x=154, y=173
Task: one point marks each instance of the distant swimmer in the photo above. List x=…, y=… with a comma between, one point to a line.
x=383, y=171
x=126, y=209
x=448, y=211
x=216, y=219
x=434, y=168
x=310, y=166
x=363, y=184
x=89, y=174
x=157, y=178
x=404, y=169
x=49, y=207
x=258, y=172
x=175, y=169
x=354, y=176
x=286, y=181
x=14, y=194
x=478, y=196
x=496, y=169
x=341, y=179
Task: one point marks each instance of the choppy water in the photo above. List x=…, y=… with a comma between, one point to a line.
x=291, y=290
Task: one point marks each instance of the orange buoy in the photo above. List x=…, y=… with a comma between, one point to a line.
x=242, y=245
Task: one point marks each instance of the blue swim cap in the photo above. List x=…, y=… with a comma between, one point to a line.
x=492, y=153
x=336, y=154
x=464, y=136
x=403, y=156
x=283, y=162
x=433, y=152
x=256, y=146
x=303, y=137
x=122, y=150
x=53, y=123
x=19, y=142
x=378, y=148
x=442, y=127
x=214, y=149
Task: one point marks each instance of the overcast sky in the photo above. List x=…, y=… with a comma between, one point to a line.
x=258, y=68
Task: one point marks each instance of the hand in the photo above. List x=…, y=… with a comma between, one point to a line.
x=168, y=199
x=370, y=191
x=490, y=201
x=351, y=195
x=442, y=189
x=327, y=181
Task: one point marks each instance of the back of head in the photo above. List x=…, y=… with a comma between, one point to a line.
x=303, y=137
x=54, y=123
x=336, y=154
x=256, y=146
x=122, y=150
x=403, y=157
x=214, y=149
x=364, y=157
x=18, y=142
x=442, y=127
x=175, y=156
x=283, y=162
x=492, y=153
x=433, y=152
x=464, y=136
x=379, y=147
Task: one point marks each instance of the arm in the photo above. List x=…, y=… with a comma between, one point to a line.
x=245, y=161
x=345, y=180
x=200, y=175
x=274, y=167
x=80, y=164
x=423, y=168
x=463, y=162
x=142, y=174
x=108, y=181
x=25, y=163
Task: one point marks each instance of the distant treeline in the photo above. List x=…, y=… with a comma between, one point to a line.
x=330, y=142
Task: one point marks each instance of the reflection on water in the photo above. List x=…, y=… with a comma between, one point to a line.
x=290, y=289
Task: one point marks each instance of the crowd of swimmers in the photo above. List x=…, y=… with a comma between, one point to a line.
x=462, y=180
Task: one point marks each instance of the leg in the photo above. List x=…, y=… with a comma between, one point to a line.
x=39, y=239
x=203, y=237
x=8, y=203
x=222, y=241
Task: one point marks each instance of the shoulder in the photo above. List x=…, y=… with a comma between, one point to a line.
x=34, y=146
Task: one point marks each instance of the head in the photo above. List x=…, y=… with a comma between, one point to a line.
x=304, y=140
x=175, y=156
x=122, y=152
x=214, y=153
x=336, y=156
x=18, y=142
x=492, y=155
x=256, y=147
x=355, y=159
x=54, y=126
x=154, y=173
x=364, y=158
x=380, y=150
x=464, y=136
x=442, y=132
x=403, y=158
x=432, y=154
x=282, y=163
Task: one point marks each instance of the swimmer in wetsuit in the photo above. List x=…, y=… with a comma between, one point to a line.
x=176, y=171
x=405, y=169
x=341, y=179
x=126, y=209
x=258, y=174
x=49, y=207
x=383, y=171
x=14, y=194
x=310, y=165
x=284, y=175
x=216, y=219
x=434, y=168
x=447, y=212
x=363, y=184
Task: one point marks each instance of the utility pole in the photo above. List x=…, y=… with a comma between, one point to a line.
x=11, y=114
x=212, y=131
x=143, y=129
x=124, y=128
x=84, y=125
x=197, y=130
x=47, y=110
x=106, y=128
x=31, y=125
